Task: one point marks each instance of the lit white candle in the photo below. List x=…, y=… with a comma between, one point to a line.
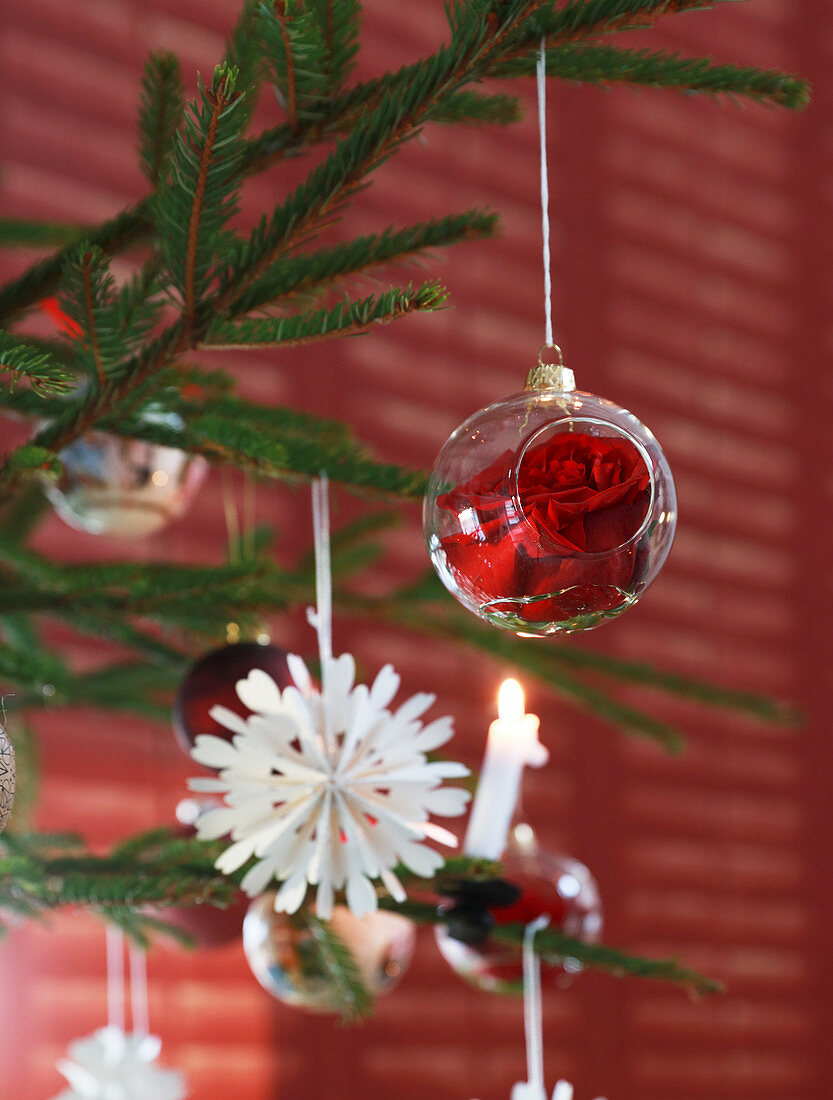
x=512, y=744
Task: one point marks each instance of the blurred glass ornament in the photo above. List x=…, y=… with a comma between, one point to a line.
x=550, y=511
x=212, y=681
x=7, y=778
x=544, y=884
x=124, y=488
x=285, y=958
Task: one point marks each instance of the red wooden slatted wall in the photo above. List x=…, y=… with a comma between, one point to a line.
x=692, y=285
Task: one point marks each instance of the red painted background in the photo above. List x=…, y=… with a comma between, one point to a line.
x=692, y=284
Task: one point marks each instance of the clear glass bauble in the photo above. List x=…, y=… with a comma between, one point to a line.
x=284, y=956
x=550, y=512
x=124, y=488
x=553, y=885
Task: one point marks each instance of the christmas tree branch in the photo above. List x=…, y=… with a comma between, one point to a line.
x=351, y=997
x=156, y=870
x=23, y=233
x=21, y=360
x=576, y=22
x=310, y=271
x=194, y=206
x=602, y=64
x=128, y=228
x=348, y=318
x=554, y=947
x=161, y=105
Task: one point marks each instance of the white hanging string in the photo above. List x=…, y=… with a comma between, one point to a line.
x=545, y=189
x=115, y=977
x=139, y=991
x=532, y=1006
x=322, y=616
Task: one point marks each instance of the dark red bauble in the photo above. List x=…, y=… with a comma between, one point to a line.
x=212, y=680
x=208, y=925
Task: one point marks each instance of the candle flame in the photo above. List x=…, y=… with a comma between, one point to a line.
x=510, y=700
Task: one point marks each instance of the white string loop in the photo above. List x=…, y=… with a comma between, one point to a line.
x=115, y=977
x=321, y=617
x=532, y=1006
x=541, y=70
x=139, y=991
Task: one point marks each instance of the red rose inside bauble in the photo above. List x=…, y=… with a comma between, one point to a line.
x=556, y=540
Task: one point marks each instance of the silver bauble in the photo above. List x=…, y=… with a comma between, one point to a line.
x=124, y=488
x=7, y=778
x=283, y=954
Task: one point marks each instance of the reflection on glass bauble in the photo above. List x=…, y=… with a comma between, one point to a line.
x=212, y=681
x=546, y=884
x=285, y=959
x=550, y=512
x=125, y=488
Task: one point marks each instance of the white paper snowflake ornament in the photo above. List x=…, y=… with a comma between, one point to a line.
x=113, y=1065
x=328, y=789
x=331, y=788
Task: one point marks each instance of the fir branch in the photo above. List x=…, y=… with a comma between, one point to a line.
x=35, y=879
x=194, y=206
x=576, y=22
x=119, y=233
x=90, y=327
x=451, y=626
x=160, y=114
x=21, y=360
x=348, y=318
x=537, y=662
x=198, y=598
x=374, y=138
x=244, y=446
x=111, y=323
x=750, y=704
x=476, y=108
x=310, y=271
x=588, y=18
x=115, y=628
x=602, y=64
x=336, y=961
x=554, y=947
x=272, y=442
x=34, y=669
x=157, y=869
x=282, y=53
x=339, y=23
x=21, y=513
x=24, y=233
x=275, y=420
x=244, y=52
x=42, y=680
